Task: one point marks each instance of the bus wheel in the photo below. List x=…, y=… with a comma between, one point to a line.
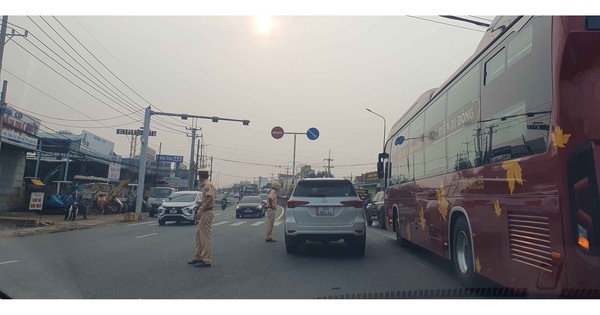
x=402, y=242
x=462, y=252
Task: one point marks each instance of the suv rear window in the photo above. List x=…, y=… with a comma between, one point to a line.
x=325, y=188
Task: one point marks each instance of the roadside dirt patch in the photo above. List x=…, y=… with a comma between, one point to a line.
x=18, y=224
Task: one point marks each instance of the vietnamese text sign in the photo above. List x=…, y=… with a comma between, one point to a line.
x=19, y=129
x=135, y=132
x=170, y=158
x=36, y=201
x=114, y=169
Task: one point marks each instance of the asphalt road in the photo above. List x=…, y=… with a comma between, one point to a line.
x=145, y=260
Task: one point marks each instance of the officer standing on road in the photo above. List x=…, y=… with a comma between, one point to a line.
x=272, y=205
x=203, y=254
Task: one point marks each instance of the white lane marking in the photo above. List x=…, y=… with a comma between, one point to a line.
x=8, y=262
x=238, y=223
x=220, y=223
x=373, y=230
x=257, y=223
x=218, y=214
x=143, y=223
x=278, y=223
x=146, y=235
x=282, y=212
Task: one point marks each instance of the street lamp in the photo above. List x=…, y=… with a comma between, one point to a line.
x=384, y=127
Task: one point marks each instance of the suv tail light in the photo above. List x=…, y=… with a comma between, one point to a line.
x=353, y=203
x=294, y=203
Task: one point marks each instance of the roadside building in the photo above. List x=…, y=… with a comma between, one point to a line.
x=18, y=136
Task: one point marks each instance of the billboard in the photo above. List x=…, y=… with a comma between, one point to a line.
x=94, y=145
x=151, y=154
x=19, y=129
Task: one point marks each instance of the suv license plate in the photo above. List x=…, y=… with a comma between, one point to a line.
x=325, y=211
x=173, y=211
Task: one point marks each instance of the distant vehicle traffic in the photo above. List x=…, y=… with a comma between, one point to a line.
x=250, y=206
x=249, y=190
x=157, y=196
x=376, y=211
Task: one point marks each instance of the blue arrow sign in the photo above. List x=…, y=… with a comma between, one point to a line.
x=399, y=140
x=312, y=133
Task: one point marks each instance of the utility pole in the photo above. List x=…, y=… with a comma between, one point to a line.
x=211, y=161
x=157, y=161
x=2, y=108
x=198, y=154
x=3, y=98
x=329, y=167
x=192, y=171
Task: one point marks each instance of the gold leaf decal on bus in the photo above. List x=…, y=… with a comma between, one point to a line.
x=497, y=208
x=513, y=174
x=477, y=265
x=422, y=218
x=442, y=203
x=559, y=139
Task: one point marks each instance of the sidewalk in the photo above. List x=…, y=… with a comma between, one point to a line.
x=18, y=224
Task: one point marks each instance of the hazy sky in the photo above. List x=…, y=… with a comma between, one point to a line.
x=304, y=71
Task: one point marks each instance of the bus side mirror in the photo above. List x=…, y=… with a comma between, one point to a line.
x=381, y=158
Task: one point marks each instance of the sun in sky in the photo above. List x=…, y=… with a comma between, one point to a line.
x=264, y=24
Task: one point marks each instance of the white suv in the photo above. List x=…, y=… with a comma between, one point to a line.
x=323, y=210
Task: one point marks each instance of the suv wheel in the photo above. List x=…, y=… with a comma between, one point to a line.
x=291, y=246
x=359, y=245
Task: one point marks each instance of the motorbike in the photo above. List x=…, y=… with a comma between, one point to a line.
x=223, y=204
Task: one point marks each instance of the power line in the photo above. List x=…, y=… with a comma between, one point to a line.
x=60, y=119
x=102, y=45
x=54, y=98
x=121, y=103
x=111, y=72
x=456, y=18
x=466, y=28
x=481, y=18
x=75, y=84
x=159, y=119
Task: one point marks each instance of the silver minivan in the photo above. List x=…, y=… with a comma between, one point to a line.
x=324, y=210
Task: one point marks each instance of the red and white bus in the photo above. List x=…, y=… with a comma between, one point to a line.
x=498, y=168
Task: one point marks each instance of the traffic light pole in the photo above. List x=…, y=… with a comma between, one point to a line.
x=144, y=149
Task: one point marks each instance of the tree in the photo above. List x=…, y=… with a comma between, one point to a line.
x=324, y=173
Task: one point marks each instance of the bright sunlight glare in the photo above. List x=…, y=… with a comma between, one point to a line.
x=264, y=24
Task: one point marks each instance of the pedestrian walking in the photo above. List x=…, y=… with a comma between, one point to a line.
x=202, y=258
x=272, y=209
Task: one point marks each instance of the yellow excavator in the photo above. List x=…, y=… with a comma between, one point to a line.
x=113, y=204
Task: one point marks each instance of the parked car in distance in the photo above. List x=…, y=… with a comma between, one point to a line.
x=180, y=206
x=324, y=210
x=375, y=210
x=250, y=205
x=157, y=196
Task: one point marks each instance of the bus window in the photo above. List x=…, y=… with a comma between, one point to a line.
x=517, y=124
x=415, y=145
x=462, y=122
x=435, y=137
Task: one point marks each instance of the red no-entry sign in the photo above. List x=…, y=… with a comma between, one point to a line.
x=277, y=132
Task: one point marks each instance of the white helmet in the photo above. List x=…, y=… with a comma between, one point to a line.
x=275, y=185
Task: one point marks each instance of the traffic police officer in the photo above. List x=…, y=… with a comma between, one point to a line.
x=203, y=254
x=272, y=205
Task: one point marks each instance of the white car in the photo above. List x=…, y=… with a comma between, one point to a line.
x=180, y=206
x=157, y=196
x=324, y=210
